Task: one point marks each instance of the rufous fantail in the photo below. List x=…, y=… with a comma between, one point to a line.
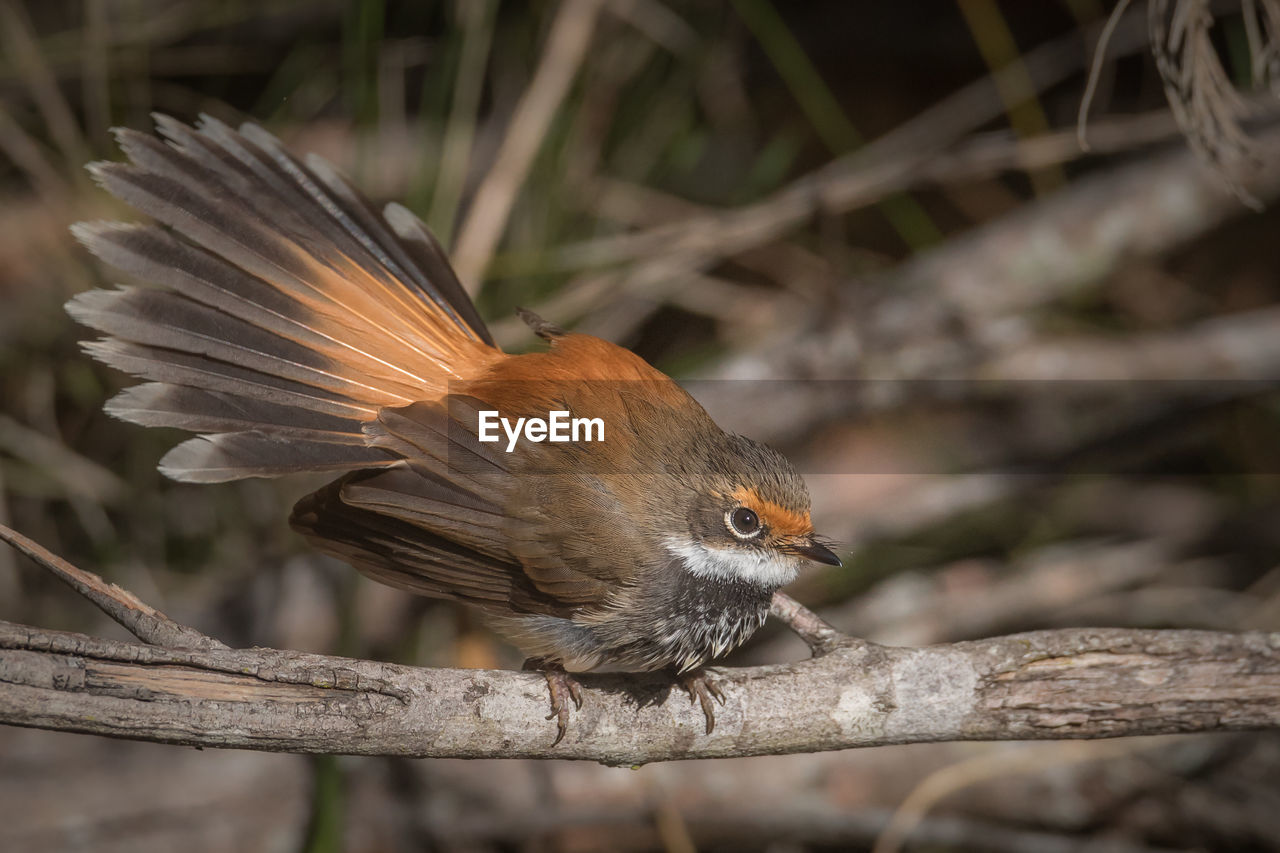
x=296, y=329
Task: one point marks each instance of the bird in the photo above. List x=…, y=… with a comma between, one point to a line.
x=293, y=327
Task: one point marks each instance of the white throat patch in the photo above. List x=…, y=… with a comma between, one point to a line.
x=733, y=564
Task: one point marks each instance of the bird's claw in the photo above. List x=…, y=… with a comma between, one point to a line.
x=564, y=688
x=702, y=688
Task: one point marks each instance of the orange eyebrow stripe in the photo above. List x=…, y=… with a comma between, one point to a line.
x=781, y=520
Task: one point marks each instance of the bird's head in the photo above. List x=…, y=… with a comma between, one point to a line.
x=749, y=517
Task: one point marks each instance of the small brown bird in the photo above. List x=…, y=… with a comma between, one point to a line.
x=297, y=329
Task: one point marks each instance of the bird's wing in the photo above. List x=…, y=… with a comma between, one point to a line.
x=438, y=522
x=401, y=529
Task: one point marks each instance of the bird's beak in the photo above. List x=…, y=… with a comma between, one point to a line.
x=818, y=553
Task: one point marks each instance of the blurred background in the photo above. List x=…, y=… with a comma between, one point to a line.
x=1029, y=383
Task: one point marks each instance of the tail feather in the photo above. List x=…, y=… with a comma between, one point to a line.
x=316, y=199
x=155, y=255
x=298, y=236
x=277, y=210
x=159, y=319
x=159, y=404
x=426, y=254
x=323, y=286
x=182, y=370
x=291, y=311
x=221, y=457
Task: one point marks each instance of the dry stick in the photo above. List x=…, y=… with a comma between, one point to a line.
x=835, y=826
x=978, y=157
x=1080, y=683
x=914, y=609
x=95, y=85
x=985, y=155
x=987, y=278
x=10, y=591
x=1095, y=73
x=1143, y=209
x=1235, y=347
x=661, y=24
x=999, y=50
x=805, y=822
x=74, y=473
x=856, y=179
x=908, y=156
x=26, y=55
x=25, y=153
x=963, y=774
x=455, y=150
x=1239, y=350
x=566, y=46
x=817, y=634
x=1006, y=267
x=143, y=621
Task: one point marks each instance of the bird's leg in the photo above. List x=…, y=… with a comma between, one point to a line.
x=563, y=688
x=702, y=688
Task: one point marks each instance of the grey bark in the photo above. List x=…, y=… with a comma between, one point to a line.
x=1040, y=685
x=179, y=686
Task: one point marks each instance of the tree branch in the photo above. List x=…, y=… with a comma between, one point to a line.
x=1047, y=684
x=1041, y=685
x=817, y=634
x=136, y=616
x=190, y=689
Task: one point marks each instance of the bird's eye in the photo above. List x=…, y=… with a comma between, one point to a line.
x=743, y=523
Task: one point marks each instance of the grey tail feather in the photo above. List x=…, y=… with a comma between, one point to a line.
x=289, y=311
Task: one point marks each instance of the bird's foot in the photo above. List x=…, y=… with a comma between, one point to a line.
x=564, y=688
x=702, y=688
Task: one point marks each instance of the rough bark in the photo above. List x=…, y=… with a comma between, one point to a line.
x=1047, y=684
x=179, y=686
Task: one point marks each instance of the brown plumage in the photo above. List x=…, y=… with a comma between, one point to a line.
x=294, y=328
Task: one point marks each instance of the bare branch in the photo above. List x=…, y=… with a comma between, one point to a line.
x=1078, y=683
x=565, y=49
x=1095, y=73
x=139, y=618
x=816, y=632
x=1042, y=685
x=857, y=179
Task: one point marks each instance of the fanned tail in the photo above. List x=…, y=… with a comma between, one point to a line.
x=289, y=313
